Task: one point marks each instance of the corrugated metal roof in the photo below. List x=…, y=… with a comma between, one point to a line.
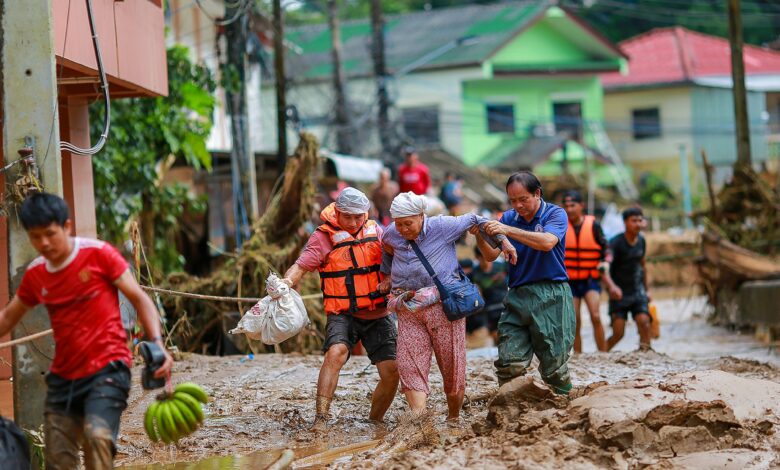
x=679, y=55
x=410, y=36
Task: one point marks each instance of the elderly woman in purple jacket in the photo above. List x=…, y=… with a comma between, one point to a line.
x=424, y=329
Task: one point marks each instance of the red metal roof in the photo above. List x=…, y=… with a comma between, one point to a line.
x=669, y=55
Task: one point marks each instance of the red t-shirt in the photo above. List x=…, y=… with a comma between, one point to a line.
x=414, y=178
x=83, y=306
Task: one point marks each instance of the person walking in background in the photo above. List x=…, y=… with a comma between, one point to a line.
x=586, y=252
x=490, y=277
x=539, y=315
x=413, y=175
x=426, y=330
x=628, y=291
x=382, y=196
x=451, y=193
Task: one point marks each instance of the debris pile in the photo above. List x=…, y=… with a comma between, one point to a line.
x=702, y=419
x=277, y=237
x=741, y=241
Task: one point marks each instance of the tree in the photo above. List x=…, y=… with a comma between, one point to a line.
x=147, y=136
x=622, y=19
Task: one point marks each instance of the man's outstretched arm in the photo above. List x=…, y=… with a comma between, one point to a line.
x=11, y=314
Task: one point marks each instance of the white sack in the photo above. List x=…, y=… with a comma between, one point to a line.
x=278, y=316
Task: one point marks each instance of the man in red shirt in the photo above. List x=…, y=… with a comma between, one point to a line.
x=77, y=280
x=412, y=175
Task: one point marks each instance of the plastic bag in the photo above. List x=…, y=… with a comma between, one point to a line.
x=655, y=324
x=413, y=300
x=278, y=316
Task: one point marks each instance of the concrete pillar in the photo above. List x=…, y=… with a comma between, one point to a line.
x=77, y=180
x=29, y=97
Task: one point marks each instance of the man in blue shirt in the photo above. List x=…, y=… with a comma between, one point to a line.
x=539, y=315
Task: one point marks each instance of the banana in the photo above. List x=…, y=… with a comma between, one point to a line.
x=149, y=421
x=178, y=419
x=167, y=421
x=188, y=415
x=166, y=438
x=191, y=403
x=193, y=389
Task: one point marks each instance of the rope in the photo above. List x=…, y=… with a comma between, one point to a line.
x=217, y=298
x=25, y=339
x=157, y=290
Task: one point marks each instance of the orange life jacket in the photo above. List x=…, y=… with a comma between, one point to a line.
x=583, y=252
x=350, y=277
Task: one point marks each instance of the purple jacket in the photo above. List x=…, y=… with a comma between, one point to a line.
x=437, y=242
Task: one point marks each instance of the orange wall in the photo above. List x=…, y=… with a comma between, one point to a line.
x=131, y=34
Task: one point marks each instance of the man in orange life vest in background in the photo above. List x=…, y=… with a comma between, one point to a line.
x=585, y=260
x=347, y=251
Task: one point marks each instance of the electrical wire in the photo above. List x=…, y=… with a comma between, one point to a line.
x=106, y=96
x=58, y=75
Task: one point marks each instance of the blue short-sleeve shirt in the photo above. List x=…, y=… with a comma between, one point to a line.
x=535, y=265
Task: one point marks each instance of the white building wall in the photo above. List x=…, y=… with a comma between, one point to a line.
x=441, y=89
x=191, y=27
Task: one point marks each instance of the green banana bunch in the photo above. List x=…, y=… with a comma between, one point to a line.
x=173, y=416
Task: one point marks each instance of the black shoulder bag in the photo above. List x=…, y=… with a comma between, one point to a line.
x=459, y=299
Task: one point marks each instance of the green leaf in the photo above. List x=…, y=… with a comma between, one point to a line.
x=144, y=131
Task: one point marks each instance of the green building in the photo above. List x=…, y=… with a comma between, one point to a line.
x=510, y=85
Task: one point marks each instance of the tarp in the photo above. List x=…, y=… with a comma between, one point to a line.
x=354, y=169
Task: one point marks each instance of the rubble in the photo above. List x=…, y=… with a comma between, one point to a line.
x=690, y=420
x=276, y=240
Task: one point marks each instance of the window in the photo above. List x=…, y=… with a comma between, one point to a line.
x=646, y=123
x=421, y=125
x=500, y=118
x=567, y=118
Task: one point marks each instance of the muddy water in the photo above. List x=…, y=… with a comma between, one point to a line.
x=261, y=407
x=258, y=409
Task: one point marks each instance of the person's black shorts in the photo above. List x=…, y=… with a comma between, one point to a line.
x=378, y=336
x=99, y=398
x=580, y=288
x=487, y=318
x=635, y=306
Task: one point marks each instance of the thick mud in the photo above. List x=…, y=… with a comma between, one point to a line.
x=628, y=410
x=689, y=408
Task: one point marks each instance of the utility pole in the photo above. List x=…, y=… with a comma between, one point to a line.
x=744, y=159
x=343, y=132
x=281, y=85
x=30, y=122
x=685, y=180
x=241, y=154
x=380, y=75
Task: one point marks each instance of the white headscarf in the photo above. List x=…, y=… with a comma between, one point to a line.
x=407, y=205
x=352, y=201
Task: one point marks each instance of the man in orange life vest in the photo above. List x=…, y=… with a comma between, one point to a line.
x=585, y=260
x=347, y=252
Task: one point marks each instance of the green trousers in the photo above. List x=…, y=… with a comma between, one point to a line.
x=538, y=319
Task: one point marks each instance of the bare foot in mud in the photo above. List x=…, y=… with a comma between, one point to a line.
x=380, y=425
x=320, y=424
x=453, y=423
